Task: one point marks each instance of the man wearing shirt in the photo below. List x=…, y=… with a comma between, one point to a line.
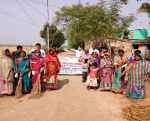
x=93, y=49
x=38, y=46
x=78, y=52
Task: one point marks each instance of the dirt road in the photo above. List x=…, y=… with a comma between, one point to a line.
x=71, y=102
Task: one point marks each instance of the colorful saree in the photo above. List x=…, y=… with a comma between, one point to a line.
x=106, y=73
x=37, y=64
x=136, y=87
x=118, y=80
x=52, y=66
x=6, y=73
x=23, y=66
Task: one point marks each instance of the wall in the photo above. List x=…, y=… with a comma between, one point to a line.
x=138, y=34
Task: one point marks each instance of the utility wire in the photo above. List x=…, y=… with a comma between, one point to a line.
x=35, y=9
x=19, y=18
x=38, y=2
x=27, y=14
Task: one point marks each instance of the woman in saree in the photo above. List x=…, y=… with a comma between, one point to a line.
x=6, y=72
x=52, y=66
x=37, y=67
x=22, y=68
x=138, y=75
x=118, y=80
x=106, y=72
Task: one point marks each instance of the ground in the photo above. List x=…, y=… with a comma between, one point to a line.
x=71, y=102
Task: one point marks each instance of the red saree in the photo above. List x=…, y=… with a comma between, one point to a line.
x=52, y=66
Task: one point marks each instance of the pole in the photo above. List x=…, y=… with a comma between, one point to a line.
x=48, y=37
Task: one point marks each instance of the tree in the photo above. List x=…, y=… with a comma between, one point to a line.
x=56, y=37
x=145, y=8
x=100, y=23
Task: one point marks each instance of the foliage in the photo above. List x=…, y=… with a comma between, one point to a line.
x=145, y=8
x=100, y=23
x=56, y=37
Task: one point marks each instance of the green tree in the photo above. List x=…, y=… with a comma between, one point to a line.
x=56, y=37
x=101, y=23
x=145, y=8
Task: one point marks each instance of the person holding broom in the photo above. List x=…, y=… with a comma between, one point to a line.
x=37, y=67
x=52, y=66
x=21, y=70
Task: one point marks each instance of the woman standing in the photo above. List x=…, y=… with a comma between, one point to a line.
x=52, y=67
x=6, y=72
x=138, y=75
x=22, y=67
x=106, y=72
x=37, y=67
x=118, y=80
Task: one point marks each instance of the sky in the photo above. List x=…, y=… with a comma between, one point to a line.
x=14, y=31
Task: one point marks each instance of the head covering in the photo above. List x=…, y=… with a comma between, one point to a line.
x=35, y=60
x=142, y=56
x=94, y=52
x=4, y=53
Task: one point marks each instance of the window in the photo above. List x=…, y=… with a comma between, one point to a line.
x=131, y=34
x=136, y=46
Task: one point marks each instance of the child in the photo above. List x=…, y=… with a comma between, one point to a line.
x=92, y=76
x=85, y=70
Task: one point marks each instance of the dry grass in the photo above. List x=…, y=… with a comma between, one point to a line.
x=26, y=49
x=137, y=113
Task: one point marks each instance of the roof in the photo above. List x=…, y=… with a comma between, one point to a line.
x=125, y=40
x=142, y=41
x=139, y=29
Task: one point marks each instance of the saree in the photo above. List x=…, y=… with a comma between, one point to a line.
x=52, y=66
x=118, y=80
x=23, y=67
x=106, y=73
x=136, y=87
x=6, y=73
x=37, y=64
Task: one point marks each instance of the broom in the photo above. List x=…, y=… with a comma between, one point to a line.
x=18, y=92
x=36, y=90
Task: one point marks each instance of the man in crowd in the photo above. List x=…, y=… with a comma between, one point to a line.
x=93, y=49
x=133, y=57
x=78, y=52
x=19, y=48
x=104, y=50
x=38, y=46
x=85, y=54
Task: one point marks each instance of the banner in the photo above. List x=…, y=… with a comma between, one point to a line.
x=70, y=65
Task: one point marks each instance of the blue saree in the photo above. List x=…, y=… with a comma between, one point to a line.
x=23, y=66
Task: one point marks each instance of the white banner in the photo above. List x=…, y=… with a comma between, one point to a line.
x=70, y=65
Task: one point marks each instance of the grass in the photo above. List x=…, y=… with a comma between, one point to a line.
x=26, y=49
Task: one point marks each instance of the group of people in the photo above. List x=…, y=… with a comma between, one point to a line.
x=17, y=65
x=99, y=70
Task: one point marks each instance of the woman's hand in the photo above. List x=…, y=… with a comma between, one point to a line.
x=146, y=78
x=122, y=74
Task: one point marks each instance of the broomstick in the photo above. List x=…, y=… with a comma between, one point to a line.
x=36, y=90
x=18, y=93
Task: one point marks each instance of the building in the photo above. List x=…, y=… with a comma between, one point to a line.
x=137, y=34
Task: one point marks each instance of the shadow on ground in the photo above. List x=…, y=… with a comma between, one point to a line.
x=61, y=83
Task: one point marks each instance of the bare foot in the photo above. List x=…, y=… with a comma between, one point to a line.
x=95, y=89
x=48, y=89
